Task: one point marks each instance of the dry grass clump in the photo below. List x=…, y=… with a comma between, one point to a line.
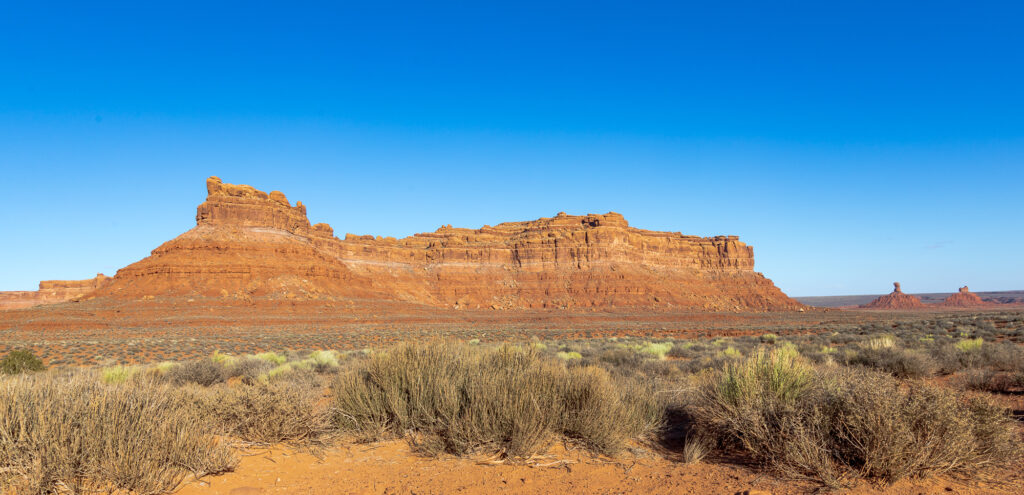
x=899, y=362
x=270, y=412
x=204, y=372
x=510, y=400
x=72, y=433
x=834, y=424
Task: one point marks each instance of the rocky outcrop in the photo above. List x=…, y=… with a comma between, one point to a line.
x=249, y=243
x=895, y=300
x=963, y=299
x=52, y=291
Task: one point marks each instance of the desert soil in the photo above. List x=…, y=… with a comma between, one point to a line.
x=393, y=468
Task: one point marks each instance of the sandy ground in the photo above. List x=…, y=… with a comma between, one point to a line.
x=392, y=468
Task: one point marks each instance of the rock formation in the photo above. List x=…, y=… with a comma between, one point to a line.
x=897, y=299
x=963, y=299
x=247, y=243
x=51, y=291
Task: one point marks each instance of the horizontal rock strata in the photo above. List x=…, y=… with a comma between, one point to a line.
x=51, y=291
x=249, y=243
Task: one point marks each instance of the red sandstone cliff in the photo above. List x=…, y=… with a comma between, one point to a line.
x=895, y=300
x=963, y=299
x=250, y=243
x=51, y=291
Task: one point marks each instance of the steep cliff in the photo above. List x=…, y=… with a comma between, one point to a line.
x=248, y=243
x=896, y=300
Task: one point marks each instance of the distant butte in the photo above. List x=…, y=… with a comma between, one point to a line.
x=963, y=299
x=897, y=299
x=251, y=244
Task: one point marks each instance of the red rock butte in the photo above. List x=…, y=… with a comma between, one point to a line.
x=963, y=299
x=896, y=299
x=250, y=244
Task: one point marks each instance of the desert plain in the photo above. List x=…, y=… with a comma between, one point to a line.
x=257, y=353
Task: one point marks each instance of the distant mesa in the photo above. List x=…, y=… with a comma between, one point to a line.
x=248, y=243
x=52, y=291
x=963, y=299
x=897, y=299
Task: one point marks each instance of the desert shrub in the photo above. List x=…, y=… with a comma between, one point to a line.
x=833, y=424
x=683, y=350
x=656, y=349
x=696, y=447
x=20, y=361
x=621, y=358
x=116, y=374
x=1001, y=356
x=732, y=352
x=901, y=363
x=249, y=370
x=989, y=380
x=461, y=399
x=270, y=412
x=271, y=357
x=203, y=372
x=663, y=370
x=280, y=371
x=970, y=345
x=70, y=433
x=568, y=355
x=881, y=342
x=222, y=358
x=323, y=361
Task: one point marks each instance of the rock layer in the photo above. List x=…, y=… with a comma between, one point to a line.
x=51, y=291
x=247, y=243
x=895, y=300
x=963, y=299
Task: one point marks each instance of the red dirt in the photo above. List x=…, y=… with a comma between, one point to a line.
x=392, y=468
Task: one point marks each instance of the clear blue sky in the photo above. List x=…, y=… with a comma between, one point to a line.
x=852, y=144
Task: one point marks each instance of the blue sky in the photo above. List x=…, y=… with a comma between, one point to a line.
x=852, y=144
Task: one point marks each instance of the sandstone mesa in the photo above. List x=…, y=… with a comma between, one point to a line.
x=248, y=243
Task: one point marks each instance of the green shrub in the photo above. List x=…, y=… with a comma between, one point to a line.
x=271, y=357
x=732, y=352
x=970, y=345
x=323, y=361
x=222, y=359
x=658, y=350
x=566, y=356
x=281, y=370
x=20, y=361
x=116, y=374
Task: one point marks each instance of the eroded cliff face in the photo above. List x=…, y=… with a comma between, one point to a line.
x=52, y=291
x=249, y=243
x=897, y=299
